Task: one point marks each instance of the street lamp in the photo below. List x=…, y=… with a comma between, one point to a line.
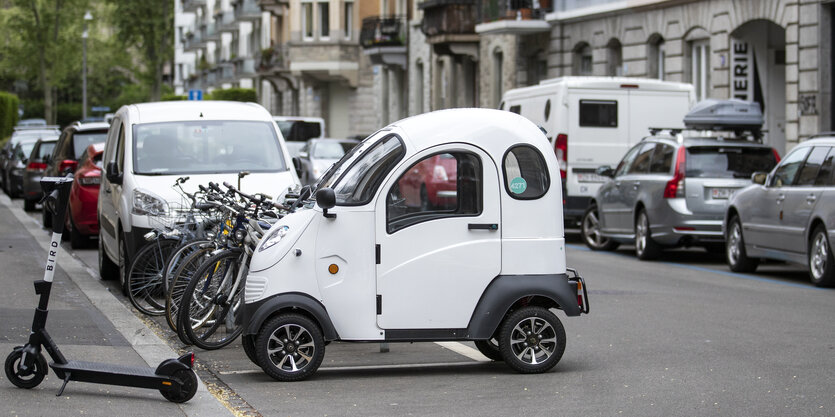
x=87, y=17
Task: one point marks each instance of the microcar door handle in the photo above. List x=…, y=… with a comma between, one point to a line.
x=483, y=226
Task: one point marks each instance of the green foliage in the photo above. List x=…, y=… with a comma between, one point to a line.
x=8, y=113
x=173, y=97
x=132, y=94
x=68, y=113
x=233, y=94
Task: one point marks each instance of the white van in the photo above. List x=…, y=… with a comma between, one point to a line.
x=593, y=121
x=150, y=145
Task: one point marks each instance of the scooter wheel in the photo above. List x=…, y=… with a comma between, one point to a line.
x=188, y=386
x=31, y=380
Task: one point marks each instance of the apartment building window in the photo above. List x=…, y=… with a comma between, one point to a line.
x=498, y=63
x=700, y=67
x=582, y=59
x=419, y=89
x=324, y=19
x=307, y=20
x=348, y=19
x=614, y=58
x=655, y=57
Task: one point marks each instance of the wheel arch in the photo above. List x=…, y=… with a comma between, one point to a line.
x=256, y=314
x=813, y=225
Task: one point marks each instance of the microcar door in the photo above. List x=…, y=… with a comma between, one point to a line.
x=435, y=259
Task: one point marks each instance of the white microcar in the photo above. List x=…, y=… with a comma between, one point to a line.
x=373, y=259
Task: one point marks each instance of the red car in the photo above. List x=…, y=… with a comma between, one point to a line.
x=431, y=184
x=84, y=196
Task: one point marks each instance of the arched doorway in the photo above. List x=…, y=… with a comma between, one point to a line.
x=758, y=73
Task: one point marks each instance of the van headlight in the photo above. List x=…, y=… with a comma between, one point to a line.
x=274, y=237
x=147, y=203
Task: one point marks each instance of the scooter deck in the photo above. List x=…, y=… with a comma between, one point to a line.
x=105, y=373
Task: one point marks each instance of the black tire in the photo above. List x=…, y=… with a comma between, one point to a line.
x=108, y=270
x=645, y=248
x=590, y=231
x=29, y=205
x=178, y=282
x=735, y=255
x=146, y=289
x=188, y=386
x=821, y=262
x=124, y=264
x=489, y=348
x=206, y=322
x=77, y=239
x=308, y=340
x=248, y=342
x=538, y=327
x=25, y=381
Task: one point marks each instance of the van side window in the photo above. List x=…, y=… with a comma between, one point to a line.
x=515, y=109
x=525, y=173
x=598, y=113
x=112, y=138
x=120, y=149
x=642, y=161
x=438, y=186
x=662, y=159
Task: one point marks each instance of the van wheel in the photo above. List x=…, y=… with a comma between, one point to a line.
x=738, y=260
x=590, y=231
x=77, y=240
x=46, y=217
x=532, y=340
x=123, y=266
x=821, y=268
x=290, y=347
x=489, y=348
x=645, y=248
x=107, y=269
x=29, y=205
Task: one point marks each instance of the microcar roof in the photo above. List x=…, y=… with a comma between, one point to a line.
x=174, y=111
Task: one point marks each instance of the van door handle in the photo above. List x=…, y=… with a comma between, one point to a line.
x=483, y=226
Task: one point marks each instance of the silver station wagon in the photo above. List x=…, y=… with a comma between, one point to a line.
x=788, y=214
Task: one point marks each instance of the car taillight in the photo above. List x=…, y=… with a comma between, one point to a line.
x=36, y=166
x=439, y=174
x=776, y=156
x=90, y=179
x=561, y=150
x=67, y=165
x=675, y=187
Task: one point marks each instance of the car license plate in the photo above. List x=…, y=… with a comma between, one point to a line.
x=721, y=193
x=590, y=178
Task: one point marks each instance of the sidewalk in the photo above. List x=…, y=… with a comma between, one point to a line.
x=87, y=322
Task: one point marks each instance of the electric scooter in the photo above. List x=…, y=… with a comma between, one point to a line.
x=26, y=367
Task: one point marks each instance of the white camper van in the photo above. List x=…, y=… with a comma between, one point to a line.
x=593, y=121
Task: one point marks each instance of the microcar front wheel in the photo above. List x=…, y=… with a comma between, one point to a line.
x=532, y=340
x=290, y=347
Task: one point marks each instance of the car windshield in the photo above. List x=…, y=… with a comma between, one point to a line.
x=299, y=130
x=82, y=140
x=358, y=174
x=728, y=162
x=26, y=149
x=331, y=150
x=204, y=147
x=44, y=150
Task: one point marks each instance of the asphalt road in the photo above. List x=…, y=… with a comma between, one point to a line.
x=678, y=337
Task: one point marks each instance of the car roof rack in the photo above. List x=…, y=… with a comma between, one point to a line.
x=654, y=131
x=743, y=118
x=822, y=135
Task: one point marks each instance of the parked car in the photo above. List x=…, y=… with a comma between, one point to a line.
x=16, y=163
x=74, y=140
x=82, y=222
x=35, y=167
x=150, y=145
x=431, y=184
x=32, y=122
x=29, y=134
x=788, y=214
x=317, y=155
x=592, y=121
x=298, y=130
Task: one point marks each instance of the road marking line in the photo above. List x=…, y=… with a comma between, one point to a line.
x=465, y=350
x=366, y=367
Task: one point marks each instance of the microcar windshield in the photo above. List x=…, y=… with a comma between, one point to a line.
x=355, y=178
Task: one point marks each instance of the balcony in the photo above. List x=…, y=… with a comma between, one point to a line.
x=192, y=41
x=245, y=68
x=518, y=17
x=449, y=26
x=226, y=70
x=247, y=10
x=325, y=61
x=193, y=5
x=225, y=21
x=384, y=39
x=273, y=60
x=209, y=32
x=276, y=7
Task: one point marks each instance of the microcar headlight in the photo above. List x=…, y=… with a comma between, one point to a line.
x=147, y=203
x=274, y=238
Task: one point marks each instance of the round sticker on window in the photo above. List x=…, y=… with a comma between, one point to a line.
x=518, y=185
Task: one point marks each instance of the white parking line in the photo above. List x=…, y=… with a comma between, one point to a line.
x=465, y=350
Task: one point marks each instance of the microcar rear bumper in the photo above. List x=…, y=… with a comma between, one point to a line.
x=582, y=293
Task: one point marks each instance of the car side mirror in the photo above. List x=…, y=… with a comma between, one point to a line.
x=759, y=178
x=113, y=174
x=297, y=165
x=605, y=171
x=326, y=199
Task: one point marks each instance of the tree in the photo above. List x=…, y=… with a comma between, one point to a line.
x=42, y=35
x=149, y=26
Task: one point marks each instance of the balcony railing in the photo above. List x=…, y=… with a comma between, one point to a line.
x=245, y=67
x=209, y=32
x=193, y=5
x=383, y=31
x=247, y=10
x=192, y=41
x=493, y=10
x=273, y=59
x=449, y=17
x=227, y=72
x=226, y=21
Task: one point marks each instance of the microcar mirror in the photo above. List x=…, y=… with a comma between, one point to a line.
x=605, y=171
x=113, y=174
x=326, y=199
x=759, y=178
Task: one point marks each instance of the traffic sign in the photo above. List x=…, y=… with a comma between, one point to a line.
x=195, y=94
x=100, y=108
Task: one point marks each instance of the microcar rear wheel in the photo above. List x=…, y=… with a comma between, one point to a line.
x=489, y=348
x=532, y=340
x=590, y=230
x=290, y=347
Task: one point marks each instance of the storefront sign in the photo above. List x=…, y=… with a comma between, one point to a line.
x=742, y=70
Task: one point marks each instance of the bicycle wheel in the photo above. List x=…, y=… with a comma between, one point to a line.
x=145, y=286
x=180, y=278
x=207, y=313
x=180, y=253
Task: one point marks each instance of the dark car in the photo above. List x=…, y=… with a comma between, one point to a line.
x=35, y=166
x=21, y=134
x=16, y=164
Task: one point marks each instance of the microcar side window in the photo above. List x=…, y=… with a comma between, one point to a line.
x=438, y=186
x=360, y=181
x=525, y=173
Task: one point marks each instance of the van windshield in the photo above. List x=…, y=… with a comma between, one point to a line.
x=728, y=162
x=206, y=147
